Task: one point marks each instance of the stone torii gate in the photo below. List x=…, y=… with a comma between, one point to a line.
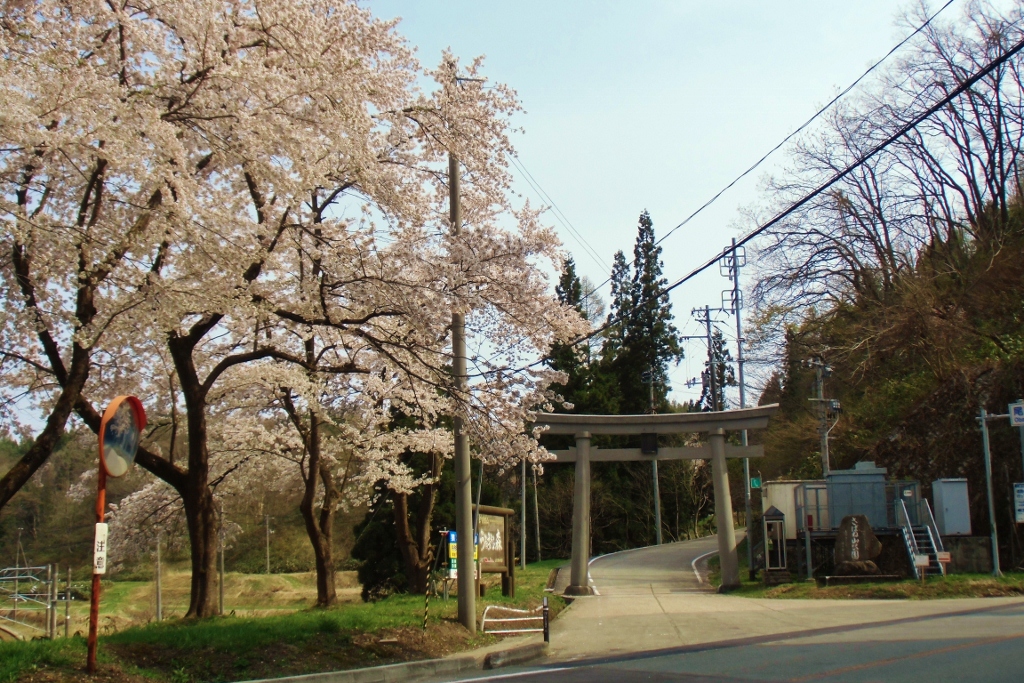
x=583, y=427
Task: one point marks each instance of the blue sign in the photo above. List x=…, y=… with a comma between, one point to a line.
x=1017, y=414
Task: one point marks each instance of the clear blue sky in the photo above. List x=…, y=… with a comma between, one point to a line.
x=656, y=104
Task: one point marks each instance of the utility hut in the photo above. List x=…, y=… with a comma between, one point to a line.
x=901, y=519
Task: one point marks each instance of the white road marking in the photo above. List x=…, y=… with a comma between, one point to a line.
x=693, y=565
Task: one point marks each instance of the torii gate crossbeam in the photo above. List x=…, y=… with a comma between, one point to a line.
x=715, y=424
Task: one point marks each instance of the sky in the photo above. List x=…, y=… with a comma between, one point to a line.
x=657, y=105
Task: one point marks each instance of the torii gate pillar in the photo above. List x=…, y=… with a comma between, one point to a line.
x=723, y=512
x=578, y=582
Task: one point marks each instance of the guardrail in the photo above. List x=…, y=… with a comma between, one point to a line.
x=539, y=616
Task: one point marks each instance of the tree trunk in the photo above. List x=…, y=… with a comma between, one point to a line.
x=416, y=568
x=197, y=498
x=415, y=547
x=320, y=530
x=202, y=535
x=326, y=592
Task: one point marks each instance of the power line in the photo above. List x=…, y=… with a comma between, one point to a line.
x=556, y=211
x=796, y=132
x=806, y=123
x=964, y=86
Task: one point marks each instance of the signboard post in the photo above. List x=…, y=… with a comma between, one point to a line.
x=120, y=429
x=921, y=562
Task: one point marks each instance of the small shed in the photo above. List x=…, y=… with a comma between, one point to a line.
x=860, y=491
x=782, y=496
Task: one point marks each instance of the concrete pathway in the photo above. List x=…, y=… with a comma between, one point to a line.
x=650, y=599
x=654, y=620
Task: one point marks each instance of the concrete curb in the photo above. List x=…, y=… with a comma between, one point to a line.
x=515, y=655
x=389, y=673
x=426, y=668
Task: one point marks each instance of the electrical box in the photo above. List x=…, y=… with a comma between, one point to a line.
x=952, y=507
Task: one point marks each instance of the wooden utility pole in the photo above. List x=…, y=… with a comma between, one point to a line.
x=463, y=476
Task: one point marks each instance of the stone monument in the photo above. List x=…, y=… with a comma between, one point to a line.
x=856, y=547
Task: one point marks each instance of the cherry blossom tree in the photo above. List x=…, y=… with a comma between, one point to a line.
x=203, y=194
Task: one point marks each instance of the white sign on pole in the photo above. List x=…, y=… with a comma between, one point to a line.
x=99, y=550
x=1017, y=414
x=1018, y=503
x=922, y=560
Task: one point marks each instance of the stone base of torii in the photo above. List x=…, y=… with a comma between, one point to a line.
x=715, y=425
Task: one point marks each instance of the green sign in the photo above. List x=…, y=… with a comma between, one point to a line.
x=755, y=482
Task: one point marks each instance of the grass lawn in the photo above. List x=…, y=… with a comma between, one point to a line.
x=952, y=586
x=233, y=648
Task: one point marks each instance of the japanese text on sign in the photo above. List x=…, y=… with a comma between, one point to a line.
x=99, y=550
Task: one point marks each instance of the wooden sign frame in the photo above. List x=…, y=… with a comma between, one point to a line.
x=507, y=570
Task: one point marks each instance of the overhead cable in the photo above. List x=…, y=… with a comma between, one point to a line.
x=964, y=86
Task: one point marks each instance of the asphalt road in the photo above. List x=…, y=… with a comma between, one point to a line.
x=654, y=621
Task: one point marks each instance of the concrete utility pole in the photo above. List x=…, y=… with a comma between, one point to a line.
x=220, y=543
x=159, y=587
x=17, y=571
x=266, y=519
x=536, y=512
x=737, y=305
x=656, y=490
x=820, y=376
x=712, y=379
x=821, y=371
x=985, y=417
x=463, y=476
x=522, y=519
x=720, y=477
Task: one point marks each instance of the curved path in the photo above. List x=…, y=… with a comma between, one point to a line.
x=654, y=570
x=654, y=621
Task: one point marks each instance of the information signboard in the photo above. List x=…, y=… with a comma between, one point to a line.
x=1018, y=503
x=492, y=541
x=1017, y=414
x=453, y=554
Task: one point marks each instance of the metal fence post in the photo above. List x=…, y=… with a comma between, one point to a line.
x=547, y=621
x=49, y=599
x=67, y=604
x=53, y=601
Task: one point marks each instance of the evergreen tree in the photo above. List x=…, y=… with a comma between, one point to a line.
x=586, y=388
x=567, y=358
x=643, y=338
x=725, y=376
